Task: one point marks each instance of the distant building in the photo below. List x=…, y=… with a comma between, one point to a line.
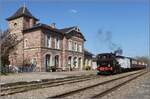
x=45, y=46
x=94, y=63
x=87, y=59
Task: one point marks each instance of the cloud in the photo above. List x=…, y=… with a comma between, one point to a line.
x=73, y=11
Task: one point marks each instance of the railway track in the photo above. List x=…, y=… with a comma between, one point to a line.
x=100, y=89
x=109, y=90
x=23, y=87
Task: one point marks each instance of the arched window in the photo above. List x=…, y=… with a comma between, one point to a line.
x=57, y=60
x=15, y=24
x=47, y=61
x=70, y=63
x=80, y=62
x=69, y=60
x=75, y=62
x=34, y=61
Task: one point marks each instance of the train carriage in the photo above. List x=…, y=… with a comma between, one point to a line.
x=110, y=63
x=137, y=64
x=124, y=62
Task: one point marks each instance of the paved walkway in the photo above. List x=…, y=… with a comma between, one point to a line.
x=34, y=76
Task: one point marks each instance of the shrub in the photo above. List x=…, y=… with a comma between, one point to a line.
x=51, y=69
x=88, y=68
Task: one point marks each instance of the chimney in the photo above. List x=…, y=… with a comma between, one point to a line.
x=53, y=25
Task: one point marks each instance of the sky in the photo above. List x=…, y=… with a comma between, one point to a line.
x=127, y=20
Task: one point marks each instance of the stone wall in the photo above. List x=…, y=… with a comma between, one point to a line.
x=16, y=56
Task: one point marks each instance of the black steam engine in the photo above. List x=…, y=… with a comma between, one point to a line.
x=110, y=63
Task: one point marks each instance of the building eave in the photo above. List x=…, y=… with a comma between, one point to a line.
x=41, y=27
x=12, y=18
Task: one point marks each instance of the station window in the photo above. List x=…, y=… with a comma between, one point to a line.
x=48, y=42
x=57, y=43
x=69, y=45
x=80, y=48
x=15, y=24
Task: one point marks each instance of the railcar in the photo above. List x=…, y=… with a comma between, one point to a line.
x=137, y=64
x=107, y=63
x=110, y=63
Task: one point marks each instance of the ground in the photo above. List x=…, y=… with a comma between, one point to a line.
x=136, y=89
x=34, y=76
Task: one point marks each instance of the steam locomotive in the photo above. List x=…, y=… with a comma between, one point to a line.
x=110, y=63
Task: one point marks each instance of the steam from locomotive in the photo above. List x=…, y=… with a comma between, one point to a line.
x=106, y=37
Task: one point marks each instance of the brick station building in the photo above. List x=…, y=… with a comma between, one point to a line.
x=44, y=45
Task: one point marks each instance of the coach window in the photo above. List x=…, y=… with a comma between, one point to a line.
x=104, y=57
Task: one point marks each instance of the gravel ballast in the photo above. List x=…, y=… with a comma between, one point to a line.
x=47, y=92
x=136, y=89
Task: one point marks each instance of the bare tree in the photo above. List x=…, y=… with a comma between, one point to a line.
x=8, y=42
x=144, y=59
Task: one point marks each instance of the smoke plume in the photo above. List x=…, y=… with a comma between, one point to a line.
x=106, y=37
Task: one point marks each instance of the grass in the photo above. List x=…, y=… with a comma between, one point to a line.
x=6, y=74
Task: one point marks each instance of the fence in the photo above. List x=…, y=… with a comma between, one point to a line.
x=15, y=69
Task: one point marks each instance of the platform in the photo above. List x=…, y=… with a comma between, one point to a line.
x=35, y=76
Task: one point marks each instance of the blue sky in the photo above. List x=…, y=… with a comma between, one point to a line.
x=127, y=20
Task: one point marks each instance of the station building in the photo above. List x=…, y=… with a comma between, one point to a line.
x=45, y=45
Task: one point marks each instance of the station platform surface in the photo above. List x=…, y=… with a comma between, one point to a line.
x=36, y=76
